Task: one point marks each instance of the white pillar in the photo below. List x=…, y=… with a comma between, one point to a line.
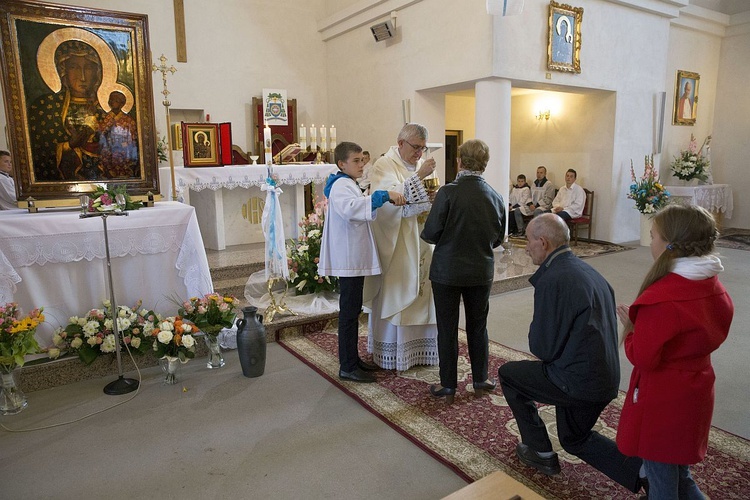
x=492, y=101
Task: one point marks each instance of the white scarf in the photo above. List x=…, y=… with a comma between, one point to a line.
x=697, y=268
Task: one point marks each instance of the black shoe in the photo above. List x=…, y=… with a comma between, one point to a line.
x=357, y=375
x=643, y=484
x=482, y=388
x=367, y=366
x=549, y=466
x=446, y=392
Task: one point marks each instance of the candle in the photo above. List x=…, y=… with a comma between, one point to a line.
x=303, y=137
x=313, y=138
x=333, y=137
x=323, y=138
x=267, y=144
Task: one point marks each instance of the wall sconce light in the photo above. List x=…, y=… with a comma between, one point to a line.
x=385, y=30
x=543, y=115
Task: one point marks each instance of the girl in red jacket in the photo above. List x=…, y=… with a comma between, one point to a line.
x=681, y=315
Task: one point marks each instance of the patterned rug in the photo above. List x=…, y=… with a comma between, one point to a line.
x=475, y=437
x=734, y=238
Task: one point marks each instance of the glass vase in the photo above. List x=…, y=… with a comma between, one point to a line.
x=170, y=366
x=12, y=398
x=215, y=358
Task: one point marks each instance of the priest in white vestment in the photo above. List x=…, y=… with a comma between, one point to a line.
x=402, y=324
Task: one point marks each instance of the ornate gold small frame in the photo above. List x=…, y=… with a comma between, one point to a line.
x=685, y=107
x=564, y=38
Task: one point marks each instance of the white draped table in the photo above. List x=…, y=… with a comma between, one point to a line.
x=716, y=198
x=56, y=260
x=231, y=216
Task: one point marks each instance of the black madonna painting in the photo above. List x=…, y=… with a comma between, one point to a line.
x=79, y=99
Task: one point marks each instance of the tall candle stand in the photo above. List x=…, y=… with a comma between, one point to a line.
x=164, y=70
x=122, y=385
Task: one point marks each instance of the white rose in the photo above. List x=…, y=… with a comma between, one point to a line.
x=108, y=324
x=188, y=341
x=91, y=341
x=122, y=313
x=187, y=328
x=123, y=324
x=53, y=352
x=108, y=345
x=107, y=303
x=76, y=343
x=166, y=325
x=136, y=342
x=57, y=339
x=164, y=336
x=73, y=320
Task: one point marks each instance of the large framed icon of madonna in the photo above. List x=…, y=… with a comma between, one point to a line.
x=78, y=99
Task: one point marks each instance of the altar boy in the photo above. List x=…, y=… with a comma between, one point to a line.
x=348, y=251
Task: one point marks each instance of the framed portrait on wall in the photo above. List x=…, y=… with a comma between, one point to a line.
x=685, y=98
x=200, y=144
x=564, y=38
x=79, y=100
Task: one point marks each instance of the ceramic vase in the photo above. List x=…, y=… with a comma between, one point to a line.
x=12, y=398
x=215, y=358
x=170, y=366
x=646, y=229
x=251, y=342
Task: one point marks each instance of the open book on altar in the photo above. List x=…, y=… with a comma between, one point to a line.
x=287, y=154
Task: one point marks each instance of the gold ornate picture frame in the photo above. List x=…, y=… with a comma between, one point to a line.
x=79, y=100
x=564, y=38
x=685, y=108
x=200, y=144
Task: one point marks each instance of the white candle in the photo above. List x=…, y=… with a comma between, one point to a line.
x=333, y=137
x=267, y=144
x=313, y=138
x=303, y=137
x=323, y=138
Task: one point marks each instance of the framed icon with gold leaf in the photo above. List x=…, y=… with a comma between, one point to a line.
x=78, y=98
x=564, y=38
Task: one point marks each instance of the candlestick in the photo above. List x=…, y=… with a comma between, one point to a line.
x=313, y=138
x=323, y=145
x=333, y=137
x=267, y=144
x=303, y=137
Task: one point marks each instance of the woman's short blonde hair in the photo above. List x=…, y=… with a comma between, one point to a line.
x=474, y=155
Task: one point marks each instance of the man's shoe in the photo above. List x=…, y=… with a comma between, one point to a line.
x=443, y=392
x=367, y=366
x=549, y=466
x=357, y=375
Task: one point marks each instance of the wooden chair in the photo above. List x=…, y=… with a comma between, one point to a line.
x=585, y=221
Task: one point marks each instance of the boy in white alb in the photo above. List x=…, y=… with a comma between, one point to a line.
x=520, y=204
x=348, y=251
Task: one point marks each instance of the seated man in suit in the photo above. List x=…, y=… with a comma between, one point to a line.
x=542, y=192
x=570, y=199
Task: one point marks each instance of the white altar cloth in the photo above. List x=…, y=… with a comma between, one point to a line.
x=716, y=198
x=222, y=209
x=56, y=260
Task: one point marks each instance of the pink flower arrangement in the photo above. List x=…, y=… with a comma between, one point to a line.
x=304, y=254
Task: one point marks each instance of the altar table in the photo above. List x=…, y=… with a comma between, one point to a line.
x=231, y=216
x=716, y=198
x=56, y=260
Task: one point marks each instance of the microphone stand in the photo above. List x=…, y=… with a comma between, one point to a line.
x=122, y=385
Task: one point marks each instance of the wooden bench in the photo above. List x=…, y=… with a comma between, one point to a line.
x=496, y=486
x=585, y=220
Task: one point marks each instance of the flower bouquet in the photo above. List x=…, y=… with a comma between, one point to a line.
x=16, y=341
x=94, y=333
x=210, y=314
x=304, y=255
x=173, y=344
x=105, y=200
x=17, y=335
x=690, y=163
x=647, y=192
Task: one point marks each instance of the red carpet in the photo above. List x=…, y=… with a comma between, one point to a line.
x=478, y=436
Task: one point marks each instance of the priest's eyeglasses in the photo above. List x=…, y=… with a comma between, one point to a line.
x=422, y=149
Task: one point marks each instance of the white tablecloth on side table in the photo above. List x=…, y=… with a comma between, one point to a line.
x=56, y=260
x=716, y=198
x=221, y=196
